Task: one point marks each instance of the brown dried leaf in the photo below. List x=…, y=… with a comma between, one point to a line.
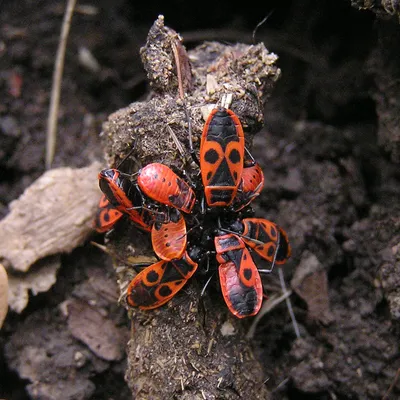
x=310, y=282
x=54, y=215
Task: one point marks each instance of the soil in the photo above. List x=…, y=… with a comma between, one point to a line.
x=330, y=151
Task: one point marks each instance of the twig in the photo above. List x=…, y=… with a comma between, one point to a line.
x=396, y=378
x=178, y=70
x=289, y=304
x=56, y=86
x=269, y=305
x=178, y=144
x=272, y=303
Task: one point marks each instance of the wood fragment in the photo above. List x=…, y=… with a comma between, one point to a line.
x=53, y=215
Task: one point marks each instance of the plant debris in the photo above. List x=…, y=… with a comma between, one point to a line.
x=54, y=215
x=310, y=282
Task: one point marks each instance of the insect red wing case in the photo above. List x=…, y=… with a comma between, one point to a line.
x=268, y=233
x=106, y=216
x=161, y=184
x=242, y=301
x=225, y=243
x=125, y=197
x=221, y=157
x=169, y=239
x=284, y=250
x=158, y=283
x=103, y=202
x=113, y=184
x=250, y=187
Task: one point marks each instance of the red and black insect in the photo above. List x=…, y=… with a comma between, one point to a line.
x=221, y=157
x=157, y=182
x=161, y=184
x=239, y=278
x=154, y=198
x=250, y=186
x=159, y=282
x=107, y=215
x=266, y=238
x=125, y=197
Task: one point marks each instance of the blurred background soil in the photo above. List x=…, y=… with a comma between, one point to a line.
x=330, y=151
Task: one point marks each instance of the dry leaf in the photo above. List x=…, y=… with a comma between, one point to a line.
x=310, y=282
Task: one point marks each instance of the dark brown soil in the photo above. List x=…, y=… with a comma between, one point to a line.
x=330, y=151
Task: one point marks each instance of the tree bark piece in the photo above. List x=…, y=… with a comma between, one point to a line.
x=54, y=215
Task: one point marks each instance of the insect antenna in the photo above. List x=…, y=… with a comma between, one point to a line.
x=181, y=91
x=252, y=160
x=241, y=235
x=203, y=291
x=127, y=156
x=190, y=134
x=175, y=139
x=260, y=24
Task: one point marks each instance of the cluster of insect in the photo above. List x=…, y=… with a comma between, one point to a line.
x=209, y=224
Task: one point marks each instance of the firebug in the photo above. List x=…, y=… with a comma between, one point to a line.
x=239, y=278
x=161, y=184
x=221, y=157
x=159, y=282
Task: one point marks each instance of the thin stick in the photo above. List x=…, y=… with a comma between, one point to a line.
x=56, y=87
x=396, y=378
x=178, y=70
x=271, y=303
x=176, y=141
x=289, y=304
